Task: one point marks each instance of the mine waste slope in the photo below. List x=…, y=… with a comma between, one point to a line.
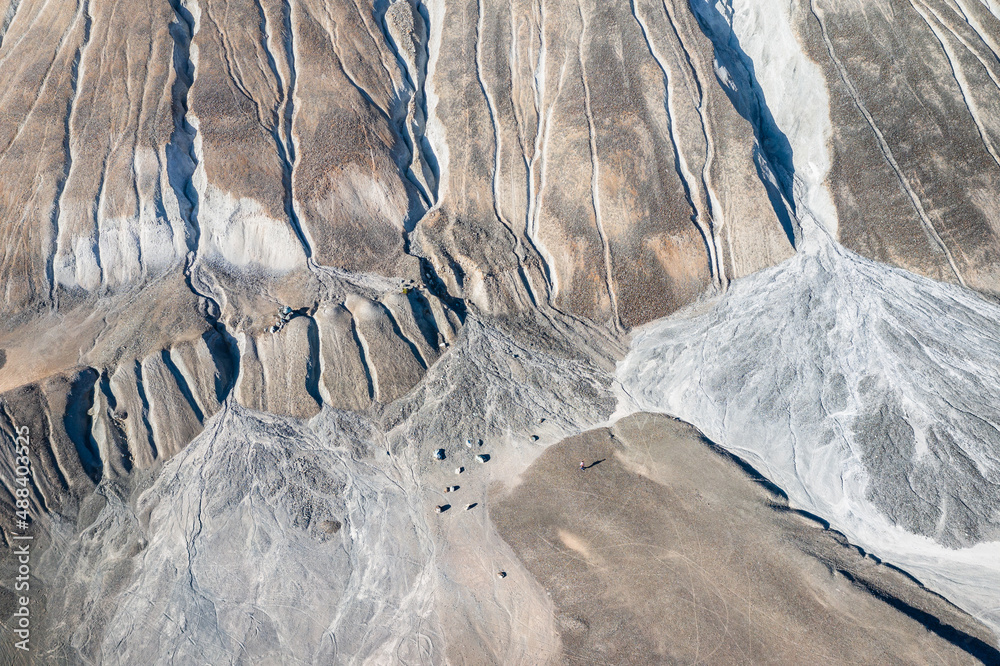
x=314, y=310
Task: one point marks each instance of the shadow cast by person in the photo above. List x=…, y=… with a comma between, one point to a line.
x=594, y=464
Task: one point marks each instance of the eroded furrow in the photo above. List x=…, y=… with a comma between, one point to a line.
x=59, y=233
x=714, y=211
x=287, y=151
x=8, y=18
x=535, y=164
x=182, y=159
x=595, y=172
x=494, y=124
x=687, y=179
x=954, y=63
x=399, y=39
x=884, y=146
x=279, y=122
x=366, y=362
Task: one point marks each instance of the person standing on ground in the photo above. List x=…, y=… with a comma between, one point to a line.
x=582, y=466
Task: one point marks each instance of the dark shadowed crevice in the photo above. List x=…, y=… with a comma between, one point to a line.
x=182, y=161
x=976, y=647
x=79, y=423
x=117, y=434
x=223, y=353
x=182, y=385
x=181, y=158
x=398, y=332
x=436, y=286
x=774, y=195
x=423, y=316
x=141, y=390
x=365, y=362
x=773, y=152
x=313, y=368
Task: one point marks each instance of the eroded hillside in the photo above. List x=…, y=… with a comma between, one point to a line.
x=260, y=218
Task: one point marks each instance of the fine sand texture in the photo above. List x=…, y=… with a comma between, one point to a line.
x=667, y=550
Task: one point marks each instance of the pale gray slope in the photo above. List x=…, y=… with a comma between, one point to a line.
x=276, y=540
x=868, y=393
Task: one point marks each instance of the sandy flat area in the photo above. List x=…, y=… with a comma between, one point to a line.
x=665, y=550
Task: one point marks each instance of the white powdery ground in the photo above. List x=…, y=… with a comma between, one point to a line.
x=869, y=394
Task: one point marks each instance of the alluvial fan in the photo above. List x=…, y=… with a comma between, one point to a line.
x=871, y=395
